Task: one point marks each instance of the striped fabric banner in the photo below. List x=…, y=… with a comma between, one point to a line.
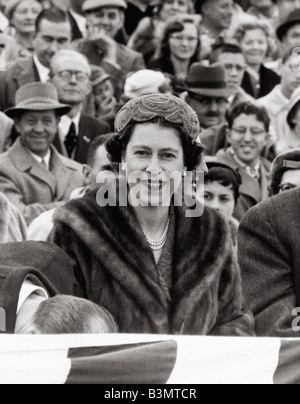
x=142, y=359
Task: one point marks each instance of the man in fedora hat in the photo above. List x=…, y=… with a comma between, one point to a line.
x=33, y=175
x=208, y=94
x=105, y=19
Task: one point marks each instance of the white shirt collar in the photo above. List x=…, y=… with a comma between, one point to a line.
x=80, y=20
x=40, y=160
x=43, y=71
x=65, y=123
x=28, y=289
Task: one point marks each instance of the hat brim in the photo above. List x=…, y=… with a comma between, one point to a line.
x=60, y=109
x=206, y=92
x=282, y=30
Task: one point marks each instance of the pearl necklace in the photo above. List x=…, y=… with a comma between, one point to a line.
x=157, y=245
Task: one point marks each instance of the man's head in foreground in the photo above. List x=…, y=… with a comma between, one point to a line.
x=63, y=315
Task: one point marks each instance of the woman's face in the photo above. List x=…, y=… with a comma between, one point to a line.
x=255, y=47
x=25, y=16
x=172, y=8
x=183, y=45
x=154, y=156
x=248, y=137
x=220, y=198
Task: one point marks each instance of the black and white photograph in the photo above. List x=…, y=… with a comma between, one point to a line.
x=149, y=176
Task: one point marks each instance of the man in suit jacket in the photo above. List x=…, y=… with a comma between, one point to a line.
x=269, y=257
x=53, y=32
x=76, y=130
x=105, y=19
x=33, y=175
x=42, y=265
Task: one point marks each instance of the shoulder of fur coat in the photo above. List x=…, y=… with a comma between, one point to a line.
x=12, y=224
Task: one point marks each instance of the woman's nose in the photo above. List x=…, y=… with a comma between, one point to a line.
x=154, y=166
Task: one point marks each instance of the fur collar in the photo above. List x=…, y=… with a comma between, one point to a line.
x=113, y=236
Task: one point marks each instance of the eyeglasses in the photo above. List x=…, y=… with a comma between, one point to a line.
x=255, y=132
x=231, y=66
x=67, y=75
x=181, y=38
x=286, y=187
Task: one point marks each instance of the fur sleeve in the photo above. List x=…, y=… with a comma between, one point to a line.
x=232, y=319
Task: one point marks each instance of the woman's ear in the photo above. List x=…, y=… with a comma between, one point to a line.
x=87, y=174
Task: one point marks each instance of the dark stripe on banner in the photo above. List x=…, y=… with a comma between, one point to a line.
x=150, y=363
x=288, y=370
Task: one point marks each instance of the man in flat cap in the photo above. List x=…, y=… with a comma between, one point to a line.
x=33, y=175
x=105, y=19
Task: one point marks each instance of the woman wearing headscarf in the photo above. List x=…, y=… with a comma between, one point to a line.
x=142, y=256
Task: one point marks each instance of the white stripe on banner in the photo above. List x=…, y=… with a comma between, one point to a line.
x=200, y=360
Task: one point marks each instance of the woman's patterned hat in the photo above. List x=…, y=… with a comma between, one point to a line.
x=151, y=107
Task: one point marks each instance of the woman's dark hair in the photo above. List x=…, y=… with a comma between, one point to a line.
x=116, y=147
x=226, y=177
x=176, y=25
x=248, y=108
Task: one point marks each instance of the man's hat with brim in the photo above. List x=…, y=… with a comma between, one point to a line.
x=208, y=81
x=91, y=5
x=37, y=97
x=292, y=19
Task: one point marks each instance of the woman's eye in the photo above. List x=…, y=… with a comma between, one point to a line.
x=168, y=156
x=142, y=153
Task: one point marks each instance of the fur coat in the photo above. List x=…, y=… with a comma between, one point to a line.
x=12, y=224
x=115, y=268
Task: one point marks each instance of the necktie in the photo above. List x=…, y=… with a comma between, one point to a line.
x=44, y=164
x=71, y=140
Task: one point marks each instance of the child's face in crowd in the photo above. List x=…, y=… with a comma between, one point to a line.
x=248, y=137
x=255, y=47
x=220, y=198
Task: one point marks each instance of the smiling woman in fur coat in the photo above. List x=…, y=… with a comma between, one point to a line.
x=154, y=268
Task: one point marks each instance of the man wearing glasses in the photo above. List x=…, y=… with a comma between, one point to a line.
x=247, y=136
x=70, y=74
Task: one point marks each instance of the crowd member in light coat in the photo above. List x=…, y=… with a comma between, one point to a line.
x=33, y=175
